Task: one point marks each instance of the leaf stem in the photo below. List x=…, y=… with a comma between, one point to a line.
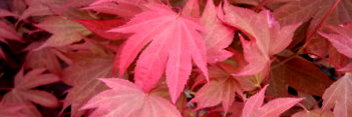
x=284, y=61
x=316, y=28
x=311, y=35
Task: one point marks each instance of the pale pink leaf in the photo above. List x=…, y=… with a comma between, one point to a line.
x=281, y=37
x=342, y=41
x=217, y=35
x=338, y=96
x=124, y=99
x=254, y=105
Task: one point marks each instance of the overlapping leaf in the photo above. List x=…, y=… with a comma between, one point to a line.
x=317, y=10
x=64, y=31
x=45, y=58
x=341, y=39
x=2, y=54
x=123, y=8
x=117, y=1
x=170, y=38
x=82, y=76
x=254, y=105
x=77, y=3
x=338, y=96
x=299, y=74
x=100, y=27
x=222, y=86
x=23, y=93
x=8, y=32
x=220, y=90
x=217, y=35
x=124, y=99
x=191, y=8
x=174, y=42
x=5, y=13
x=41, y=8
x=260, y=2
x=264, y=42
x=12, y=110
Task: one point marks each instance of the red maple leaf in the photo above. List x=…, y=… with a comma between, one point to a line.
x=174, y=42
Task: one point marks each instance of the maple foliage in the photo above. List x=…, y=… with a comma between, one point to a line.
x=221, y=89
x=12, y=110
x=2, y=55
x=8, y=32
x=313, y=113
x=100, y=27
x=82, y=76
x=258, y=50
x=131, y=101
x=175, y=58
x=342, y=39
x=185, y=46
x=297, y=73
x=337, y=94
x=64, y=31
x=217, y=35
x=22, y=93
x=254, y=105
x=123, y=8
